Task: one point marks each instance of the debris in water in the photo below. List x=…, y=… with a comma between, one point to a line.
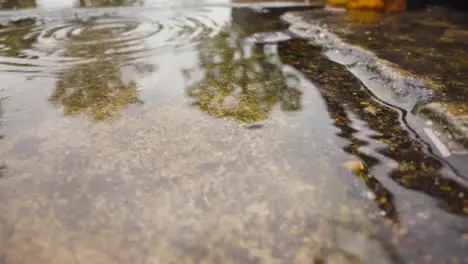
x=371, y=110
x=354, y=166
x=444, y=151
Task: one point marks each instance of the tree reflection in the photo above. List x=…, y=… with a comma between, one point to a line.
x=95, y=86
x=13, y=4
x=241, y=81
x=17, y=36
x=95, y=89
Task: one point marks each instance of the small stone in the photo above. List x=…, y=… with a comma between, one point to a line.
x=423, y=215
x=370, y=195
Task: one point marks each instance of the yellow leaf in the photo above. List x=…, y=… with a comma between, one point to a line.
x=354, y=166
x=371, y=110
x=446, y=188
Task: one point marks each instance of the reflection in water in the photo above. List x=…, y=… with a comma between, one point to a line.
x=183, y=186
x=242, y=81
x=95, y=87
x=16, y=37
x=13, y=4
x=92, y=83
x=39, y=42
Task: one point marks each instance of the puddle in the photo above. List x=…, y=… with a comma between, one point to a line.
x=205, y=135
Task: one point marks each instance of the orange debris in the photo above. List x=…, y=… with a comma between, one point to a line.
x=366, y=4
x=388, y=5
x=338, y=3
x=395, y=5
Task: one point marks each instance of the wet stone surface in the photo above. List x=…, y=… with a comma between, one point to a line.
x=404, y=39
x=203, y=134
x=428, y=45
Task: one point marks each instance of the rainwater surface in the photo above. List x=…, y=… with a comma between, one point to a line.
x=159, y=132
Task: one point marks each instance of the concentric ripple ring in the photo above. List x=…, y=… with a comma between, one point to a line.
x=32, y=44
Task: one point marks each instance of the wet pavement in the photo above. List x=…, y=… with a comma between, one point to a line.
x=401, y=43
x=161, y=133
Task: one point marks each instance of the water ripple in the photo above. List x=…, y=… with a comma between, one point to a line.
x=34, y=44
